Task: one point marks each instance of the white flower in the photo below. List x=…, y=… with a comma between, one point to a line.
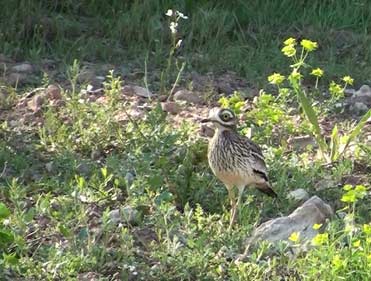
x=179, y=43
x=169, y=13
x=181, y=15
x=173, y=26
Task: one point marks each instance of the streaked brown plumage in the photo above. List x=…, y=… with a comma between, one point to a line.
x=235, y=159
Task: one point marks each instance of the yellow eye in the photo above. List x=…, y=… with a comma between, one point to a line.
x=225, y=116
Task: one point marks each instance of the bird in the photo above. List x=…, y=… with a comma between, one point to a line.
x=234, y=159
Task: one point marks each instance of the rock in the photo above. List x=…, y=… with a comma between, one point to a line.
x=95, y=154
x=313, y=211
x=86, y=75
x=53, y=92
x=23, y=67
x=136, y=90
x=115, y=216
x=83, y=169
x=126, y=214
x=35, y=103
x=325, y=183
x=49, y=167
x=360, y=101
x=170, y=107
x=299, y=194
x=3, y=94
x=129, y=214
x=57, y=103
x=188, y=96
x=4, y=59
x=349, y=92
x=301, y=142
x=89, y=276
x=101, y=100
x=358, y=108
x=135, y=113
x=127, y=90
x=130, y=177
x=163, y=98
x=16, y=79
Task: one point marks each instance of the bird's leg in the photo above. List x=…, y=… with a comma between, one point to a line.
x=238, y=204
x=232, y=198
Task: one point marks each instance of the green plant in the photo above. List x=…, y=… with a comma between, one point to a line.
x=336, y=149
x=7, y=237
x=176, y=42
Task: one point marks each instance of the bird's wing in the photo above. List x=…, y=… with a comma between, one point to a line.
x=259, y=167
x=256, y=159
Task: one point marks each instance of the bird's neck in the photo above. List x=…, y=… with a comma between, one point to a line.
x=220, y=129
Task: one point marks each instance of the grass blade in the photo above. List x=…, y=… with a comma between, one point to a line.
x=357, y=130
x=312, y=117
x=334, y=145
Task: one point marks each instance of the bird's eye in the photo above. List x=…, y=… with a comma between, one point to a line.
x=226, y=116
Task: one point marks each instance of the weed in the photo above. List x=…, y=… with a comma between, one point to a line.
x=295, y=78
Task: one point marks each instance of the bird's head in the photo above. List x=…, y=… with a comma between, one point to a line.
x=222, y=118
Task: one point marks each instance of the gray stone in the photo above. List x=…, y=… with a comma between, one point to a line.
x=188, y=96
x=126, y=214
x=136, y=90
x=301, y=142
x=16, y=78
x=95, y=154
x=129, y=177
x=170, y=107
x=115, y=216
x=360, y=101
x=313, y=211
x=129, y=214
x=36, y=102
x=358, y=108
x=49, y=167
x=299, y=195
x=23, y=67
x=53, y=92
x=83, y=169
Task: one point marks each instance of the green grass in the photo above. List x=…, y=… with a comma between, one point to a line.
x=238, y=36
x=60, y=180
x=60, y=196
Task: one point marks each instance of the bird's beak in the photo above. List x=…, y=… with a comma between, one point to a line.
x=205, y=120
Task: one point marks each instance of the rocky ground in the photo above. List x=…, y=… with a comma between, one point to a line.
x=187, y=103
x=22, y=100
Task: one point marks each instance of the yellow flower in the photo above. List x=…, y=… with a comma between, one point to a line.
x=337, y=262
x=347, y=187
x=289, y=51
x=357, y=243
x=308, y=45
x=349, y=80
x=320, y=239
x=317, y=226
x=276, y=78
x=289, y=41
x=295, y=76
x=367, y=229
x=336, y=90
x=317, y=72
x=294, y=237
